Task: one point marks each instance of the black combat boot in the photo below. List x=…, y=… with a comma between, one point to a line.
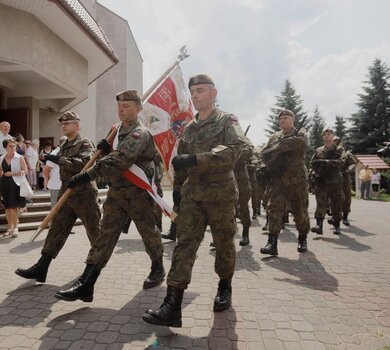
x=245, y=236
x=271, y=247
x=171, y=234
x=126, y=226
x=265, y=226
x=254, y=216
x=223, y=299
x=318, y=228
x=169, y=313
x=156, y=275
x=83, y=288
x=336, y=227
x=345, y=220
x=302, y=244
x=38, y=271
x=330, y=221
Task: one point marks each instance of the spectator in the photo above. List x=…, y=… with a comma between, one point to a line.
x=12, y=165
x=365, y=176
x=32, y=163
x=20, y=145
x=45, y=151
x=5, y=128
x=375, y=182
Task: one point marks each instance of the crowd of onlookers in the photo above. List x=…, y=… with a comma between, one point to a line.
x=370, y=181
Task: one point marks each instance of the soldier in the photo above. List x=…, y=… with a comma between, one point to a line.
x=326, y=166
x=254, y=190
x=73, y=155
x=284, y=156
x=210, y=146
x=134, y=145
x=244, y=189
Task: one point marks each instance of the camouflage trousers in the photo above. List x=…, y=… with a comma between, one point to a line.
x=347, y=194
x=191, y=225
x=255, y=200
x=324, y=194
x=244, y=194
x=121, y=204
x=294, y=196
x=79, y=205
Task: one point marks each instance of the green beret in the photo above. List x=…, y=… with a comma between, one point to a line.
x=129, y=95
x=286, y=112
x=200, y=79
x=68, y=115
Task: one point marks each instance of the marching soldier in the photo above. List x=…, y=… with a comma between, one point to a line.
x=134, y=145
x=73, y=155
x=208, y=150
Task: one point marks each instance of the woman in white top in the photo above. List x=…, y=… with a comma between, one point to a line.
x=32, y=157
x=12, y=165
x=375, y=182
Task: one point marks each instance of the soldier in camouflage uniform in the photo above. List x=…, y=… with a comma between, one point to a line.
x=82, y=203
x=254, y=191
x=284, y=156
x=244, y=189
x=210, y=146
x=124, y=199
x=348, y=168
x=326, y=165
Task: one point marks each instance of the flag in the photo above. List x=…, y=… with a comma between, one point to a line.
x=165, y=113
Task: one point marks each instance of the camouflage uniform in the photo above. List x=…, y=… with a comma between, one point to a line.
x=124, y=199
x=81, y=204
x=284, y=156
x=347, y=168
x=326, y=166
x=254, y=190
x=208, y=193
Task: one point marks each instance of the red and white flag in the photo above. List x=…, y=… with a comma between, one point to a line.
x=165, y=113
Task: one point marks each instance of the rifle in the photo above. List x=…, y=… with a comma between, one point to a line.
x=247, y=129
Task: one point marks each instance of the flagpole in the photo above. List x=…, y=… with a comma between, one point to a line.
x=181, y=57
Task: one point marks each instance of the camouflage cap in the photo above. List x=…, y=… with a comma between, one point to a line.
x=68, y=115
x=327, y=129
x=129, y=95
x=286, y=112
x=200, y=79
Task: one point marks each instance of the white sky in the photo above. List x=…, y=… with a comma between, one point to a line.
x=250, y=47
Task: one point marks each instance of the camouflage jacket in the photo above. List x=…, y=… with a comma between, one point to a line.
x=135, y=146
x=240, y=169
x=74, y=155
x=217, y=143
x=284, y=157
x=326, y=164
x=349, y=164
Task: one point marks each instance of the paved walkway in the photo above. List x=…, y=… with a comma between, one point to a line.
x=336, y=296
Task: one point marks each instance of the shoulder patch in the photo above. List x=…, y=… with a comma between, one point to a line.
x=136, y=135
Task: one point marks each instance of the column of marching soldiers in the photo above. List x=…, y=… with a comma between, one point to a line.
x=217, y=171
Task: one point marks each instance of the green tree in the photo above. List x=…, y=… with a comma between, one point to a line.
x=315, y=135
x=340, y=128
x=288, y=99
x=370, y=125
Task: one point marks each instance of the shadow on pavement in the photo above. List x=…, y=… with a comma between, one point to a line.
x=27, y=247
x=357, y=231
x=345, y=242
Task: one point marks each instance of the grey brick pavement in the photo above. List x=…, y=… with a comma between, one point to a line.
x=336, y=296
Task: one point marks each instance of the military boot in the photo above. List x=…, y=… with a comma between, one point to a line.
x=302, y=244
x=83, y=288
x=336, y=227
x=126, y=226
x=265, y=226
x=271, y=247
x=245, y=236
x=38, y=271
x=171, y=234
x=331, y=221
x=254, y=216
x=318, y=228
x=345, y=220
x=169, y=313
x=156, y=275
x=223, y=299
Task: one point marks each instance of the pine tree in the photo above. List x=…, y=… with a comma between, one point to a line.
x=370, y=125
x=316, y=128
x=287, y=100
x=340, y=128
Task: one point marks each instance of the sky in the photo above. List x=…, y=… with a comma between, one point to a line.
x=251, y=47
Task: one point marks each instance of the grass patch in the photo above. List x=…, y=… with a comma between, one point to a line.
x=385, y=198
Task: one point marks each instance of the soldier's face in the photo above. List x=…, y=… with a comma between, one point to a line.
x=203, y=96
x=286, y=122
x=328, y=137
x=70, y=128
x=128, y=111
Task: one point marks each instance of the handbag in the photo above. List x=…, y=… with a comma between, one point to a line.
x=25, y=188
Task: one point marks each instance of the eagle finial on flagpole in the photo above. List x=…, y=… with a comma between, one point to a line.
x=183, y=53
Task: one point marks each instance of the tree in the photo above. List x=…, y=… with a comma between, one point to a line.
x=287, y=100
x=340, y=127
x=316, y=128
x=370, y=125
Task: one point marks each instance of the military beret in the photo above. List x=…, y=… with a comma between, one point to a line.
x=129, y=95
x=200, y=79
x=286, y=112
x=68, y=115
x=327, y=129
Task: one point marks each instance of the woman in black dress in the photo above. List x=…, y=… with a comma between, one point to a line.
x=12, y=166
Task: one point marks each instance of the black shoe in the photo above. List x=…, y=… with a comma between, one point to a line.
x=345, y=220
x=171, y=234
x=38, y=271
x=271, y=247
x=223, y=299
x=330, y=221
x=302, y=244
x=156, y=276
x=318, y=228
x=245, y=236
x=169, y=313
x=336, y=228
x=83, y=288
